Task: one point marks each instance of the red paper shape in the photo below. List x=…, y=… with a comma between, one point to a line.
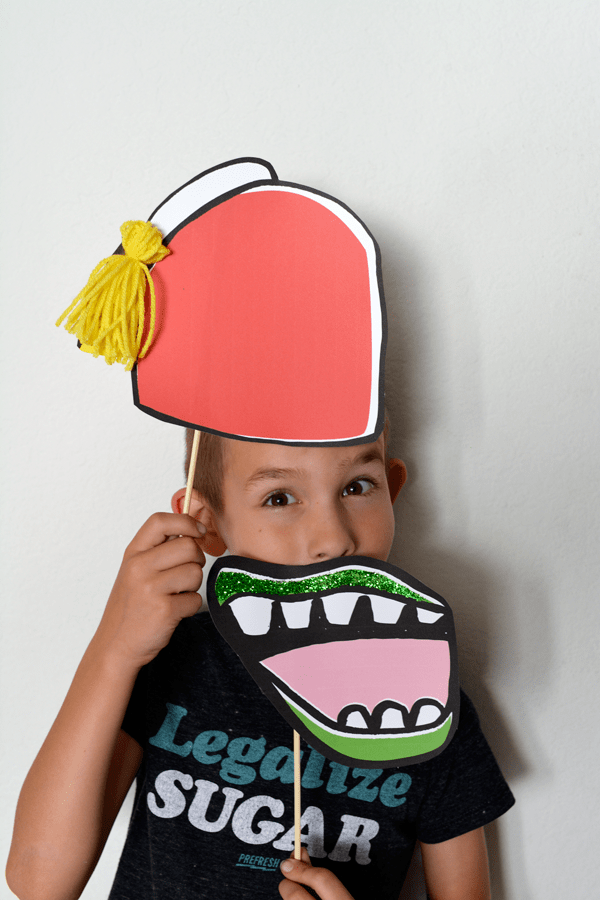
x=271, y=323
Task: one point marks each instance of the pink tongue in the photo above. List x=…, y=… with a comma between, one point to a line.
x=367, y=671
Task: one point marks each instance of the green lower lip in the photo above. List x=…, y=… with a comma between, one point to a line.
x=381, y=748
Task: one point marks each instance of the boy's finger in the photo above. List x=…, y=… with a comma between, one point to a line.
x=182, y=579
x=173, y=553
x=322, y=881
x=291, y=891
x=187, y=604
x=160, y=527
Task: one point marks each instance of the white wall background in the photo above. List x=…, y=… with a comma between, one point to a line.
x=466, y=135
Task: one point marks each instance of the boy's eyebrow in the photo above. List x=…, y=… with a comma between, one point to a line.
x=271, y=474
x=367, y=456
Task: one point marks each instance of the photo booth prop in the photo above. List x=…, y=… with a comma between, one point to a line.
x=265, y=316
x=359, y=657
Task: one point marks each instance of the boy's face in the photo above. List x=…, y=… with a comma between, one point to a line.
x=301, y=505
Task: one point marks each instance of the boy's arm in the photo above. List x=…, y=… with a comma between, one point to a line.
x=457, y=869
x=80, y=776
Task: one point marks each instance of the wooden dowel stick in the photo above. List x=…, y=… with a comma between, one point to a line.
x=297, y=810
x=191, y=473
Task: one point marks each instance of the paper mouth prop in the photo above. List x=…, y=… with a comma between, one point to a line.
x=358, y=656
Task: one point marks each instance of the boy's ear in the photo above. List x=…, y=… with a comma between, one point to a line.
x=212, y=541
x=396, y=477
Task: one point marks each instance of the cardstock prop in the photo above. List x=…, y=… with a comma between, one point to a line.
x=358, y=657
x=264, y=317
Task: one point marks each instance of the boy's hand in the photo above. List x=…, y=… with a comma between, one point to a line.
x=324, y=884
x=155, y=588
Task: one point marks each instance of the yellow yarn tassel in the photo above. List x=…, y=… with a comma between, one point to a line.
x=108, y=315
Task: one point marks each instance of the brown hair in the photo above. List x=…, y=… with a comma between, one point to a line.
x=208, y=477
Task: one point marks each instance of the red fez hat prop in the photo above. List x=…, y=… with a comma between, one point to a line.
x=270, y=319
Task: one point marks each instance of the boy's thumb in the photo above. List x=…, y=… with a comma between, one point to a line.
x=296, y=866
x=319, y=882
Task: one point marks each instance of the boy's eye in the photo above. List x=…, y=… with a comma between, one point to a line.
x=280, y=498
x=360, y=486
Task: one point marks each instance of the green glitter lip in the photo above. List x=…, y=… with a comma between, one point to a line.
x=232, y=583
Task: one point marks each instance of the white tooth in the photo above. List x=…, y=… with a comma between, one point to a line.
x=392, y=718
x=296, y=614
x=356, y=720
x=428, y=616
x=428, y=714
x=339, y=607
x=253, y=614
x=386, y=610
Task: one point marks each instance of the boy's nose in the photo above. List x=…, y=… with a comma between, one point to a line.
x=330, y=535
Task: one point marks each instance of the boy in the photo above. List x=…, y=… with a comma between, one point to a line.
x=272, y=327
x=283, y=504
